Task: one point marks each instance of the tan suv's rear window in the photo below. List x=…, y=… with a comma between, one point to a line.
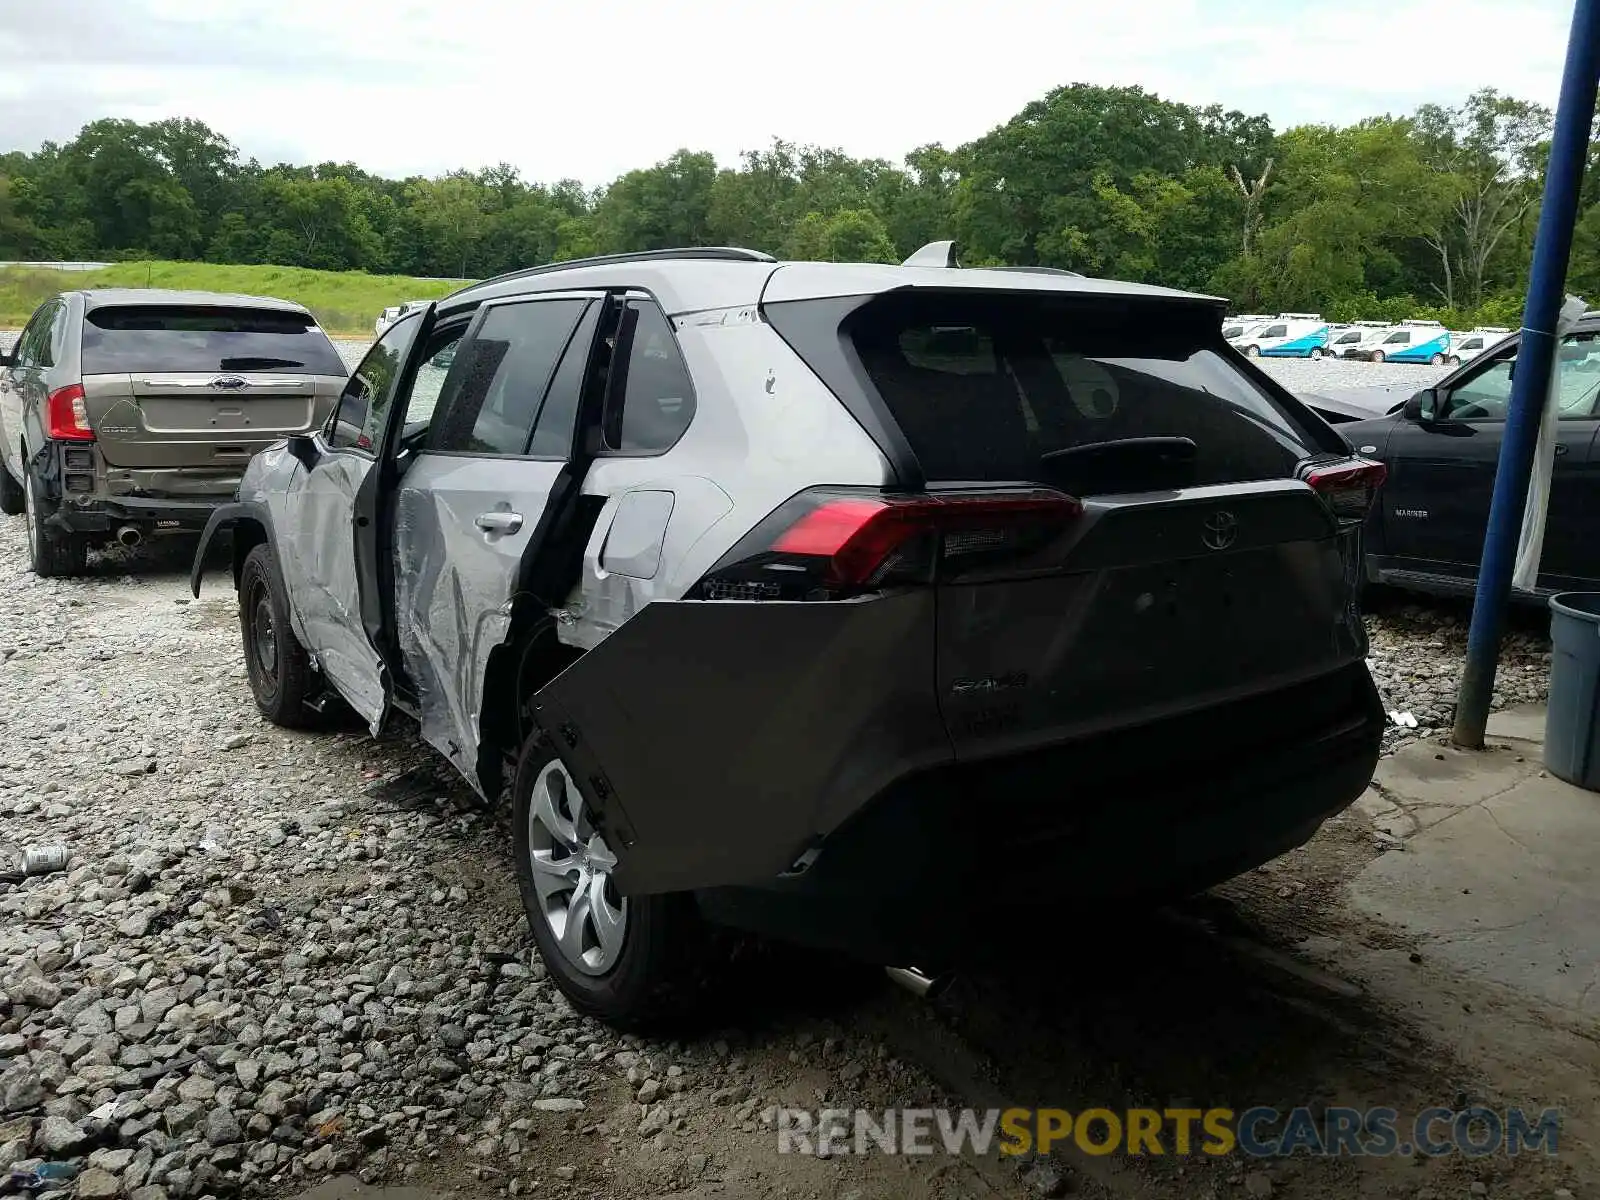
x=205, y=339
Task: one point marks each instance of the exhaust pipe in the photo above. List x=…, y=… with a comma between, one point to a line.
x=918, y=983
x=129, y=536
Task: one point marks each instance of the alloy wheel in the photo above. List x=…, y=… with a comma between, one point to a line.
x=572, y=871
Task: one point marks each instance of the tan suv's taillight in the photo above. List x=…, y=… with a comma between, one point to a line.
x=67, y=415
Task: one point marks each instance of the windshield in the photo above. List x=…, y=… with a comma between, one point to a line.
x=202, y=338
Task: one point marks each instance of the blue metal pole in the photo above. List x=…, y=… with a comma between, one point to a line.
x=1551, y=249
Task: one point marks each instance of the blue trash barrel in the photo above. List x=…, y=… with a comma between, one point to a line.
x=1572, y=722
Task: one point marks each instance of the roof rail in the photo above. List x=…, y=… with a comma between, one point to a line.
x=1038, y=270
x=723, y=253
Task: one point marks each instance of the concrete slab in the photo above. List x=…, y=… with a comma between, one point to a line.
x=1500, y=874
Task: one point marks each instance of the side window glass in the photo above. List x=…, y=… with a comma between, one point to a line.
x=430, y=382
x=1274, y=331
x=552, y=436
x=28, y=343
x=657, y=399
x=367, y=392
x=1579, y=366
x=58, y=334
x=1486, y=396
x=494, y=393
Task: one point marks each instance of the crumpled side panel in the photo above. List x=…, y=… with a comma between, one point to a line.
x=435, y=644
x=463, y=526
x=319, y=568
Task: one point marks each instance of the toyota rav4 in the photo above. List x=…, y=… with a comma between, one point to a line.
x=880, y=608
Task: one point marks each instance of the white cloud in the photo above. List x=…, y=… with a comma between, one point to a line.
x=588, y=91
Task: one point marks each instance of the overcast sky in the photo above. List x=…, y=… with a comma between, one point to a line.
x=587, y=89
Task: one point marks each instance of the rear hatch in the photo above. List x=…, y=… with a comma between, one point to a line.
x=169, y=386
x=1131, y=533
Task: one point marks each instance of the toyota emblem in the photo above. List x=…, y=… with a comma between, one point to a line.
x=1221, y=530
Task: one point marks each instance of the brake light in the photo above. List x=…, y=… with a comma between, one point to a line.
x=67, y=415
x=829, y=544
x=1348, y=487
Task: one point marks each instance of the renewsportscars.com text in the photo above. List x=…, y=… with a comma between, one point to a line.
x=1256, y=1132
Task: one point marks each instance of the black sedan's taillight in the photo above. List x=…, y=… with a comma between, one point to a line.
x=828, y=544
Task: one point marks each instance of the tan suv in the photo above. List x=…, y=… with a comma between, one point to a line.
x=129, y=413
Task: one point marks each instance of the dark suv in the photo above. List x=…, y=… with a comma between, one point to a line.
x=886, y=608
x=125, y=413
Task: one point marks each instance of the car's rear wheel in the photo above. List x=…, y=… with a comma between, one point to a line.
x=281, y=678
x=632, y=961
x=1316, y=352
x=52, y=553
x=1454, y=360
x=12, y=499
x=1378, y=356
x=1436, y=361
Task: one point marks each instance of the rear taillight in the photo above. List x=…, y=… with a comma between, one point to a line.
x=67, y=415
x=827, y=544
x=1349, y=487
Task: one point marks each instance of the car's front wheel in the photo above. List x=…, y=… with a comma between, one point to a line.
x=1378, y=356
x=52, y=552
x=1454, y=360
x=1252, y=351
x=281, y=678
x=632, y=961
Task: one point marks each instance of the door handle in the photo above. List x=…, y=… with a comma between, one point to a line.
x=498, y=522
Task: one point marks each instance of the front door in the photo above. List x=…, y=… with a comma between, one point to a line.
x=476, y=506
x=1436, y=502
x=320, y=554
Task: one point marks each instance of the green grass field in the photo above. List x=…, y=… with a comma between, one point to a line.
x=345, y=302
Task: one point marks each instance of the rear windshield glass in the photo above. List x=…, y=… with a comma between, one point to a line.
x=1060, y=391
x=205, y=339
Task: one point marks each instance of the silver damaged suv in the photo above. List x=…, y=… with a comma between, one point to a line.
x=878, y=608
x=127, y=413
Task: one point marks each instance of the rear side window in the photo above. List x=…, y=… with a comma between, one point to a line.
x=1033, y=387
x=204, y=339
x=500, y=376
x=652, y=401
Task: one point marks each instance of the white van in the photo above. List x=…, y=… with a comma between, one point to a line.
x=393, y=313
x=1288, y=336
x=1235, y=327
x=1464, y=347
x=1408, y=342
x=1348, y=338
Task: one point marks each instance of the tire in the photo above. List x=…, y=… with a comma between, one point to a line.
x=1316, y=352
x=1379, y=356
x=649, y=977
x=1453, y=361
x=281, y=678
x=52, y=553
x=12, y=499
x=1436, y=361
x=1252, y=351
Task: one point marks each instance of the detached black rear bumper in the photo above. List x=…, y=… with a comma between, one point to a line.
x=148, y=515
x=790, y=765
x=958, y=860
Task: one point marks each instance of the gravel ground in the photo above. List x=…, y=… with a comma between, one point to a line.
x=276, y=955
